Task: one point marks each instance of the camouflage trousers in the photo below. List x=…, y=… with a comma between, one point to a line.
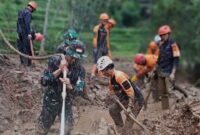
x=115, y=113
x=52, y=106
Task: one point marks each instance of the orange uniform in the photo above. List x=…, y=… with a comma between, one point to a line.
x=96, y=35
x=129, y=95
x=101, y=44
x=153, y=48
x=141, y=70
x=120, y=84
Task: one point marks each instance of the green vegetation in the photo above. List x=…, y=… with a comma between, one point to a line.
x=125, y=42
x=57, y=20
x=184, y=17
x=137, y=23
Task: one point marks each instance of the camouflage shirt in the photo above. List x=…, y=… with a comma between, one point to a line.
x=76, y=71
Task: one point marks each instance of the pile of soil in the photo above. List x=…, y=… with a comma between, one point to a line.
x=179, y=121
x=20, y=95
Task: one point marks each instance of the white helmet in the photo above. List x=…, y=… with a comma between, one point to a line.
x=103, y=62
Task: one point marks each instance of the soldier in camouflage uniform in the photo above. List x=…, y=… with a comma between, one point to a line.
x=69, y=36
x=52, y=101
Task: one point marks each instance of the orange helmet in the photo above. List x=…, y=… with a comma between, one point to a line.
x=33, y=4
x=165, y=29
x=152, y=45
x=139, y=59
x=112, y=22
x=103, y=16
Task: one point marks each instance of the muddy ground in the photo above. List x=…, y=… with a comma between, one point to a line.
x=21, y=100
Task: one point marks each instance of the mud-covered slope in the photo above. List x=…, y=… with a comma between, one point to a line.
x=21, y=100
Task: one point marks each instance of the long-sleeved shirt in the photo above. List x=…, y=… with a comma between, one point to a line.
x=75, y=71
x=24, y=22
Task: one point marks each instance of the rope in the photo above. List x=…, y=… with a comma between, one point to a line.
x=27, y=56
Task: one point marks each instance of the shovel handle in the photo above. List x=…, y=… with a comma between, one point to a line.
x=131, y=116
x=64, y=94
x=31, y=46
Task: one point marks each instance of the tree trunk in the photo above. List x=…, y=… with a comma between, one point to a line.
x=42, y=51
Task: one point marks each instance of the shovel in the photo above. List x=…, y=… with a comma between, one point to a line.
x=132, y=117
x=64, y=94
x=32, y=51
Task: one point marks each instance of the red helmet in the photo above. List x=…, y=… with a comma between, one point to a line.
x=165, y=29
x=103, y=16
x=139, y=59
x=33, y=4
x=39, y=37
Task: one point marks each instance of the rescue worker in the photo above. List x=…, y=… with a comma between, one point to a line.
x=144, y=66
x=122, y=88
x=25, y=33
x=69, y=36
x=168, y=59
x=52, y=80
x=101, y=41
x=153, y=48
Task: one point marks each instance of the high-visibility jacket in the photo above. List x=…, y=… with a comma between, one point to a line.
x=121, y=85
x=141, y=70
x=101, y=41
x=154, y=50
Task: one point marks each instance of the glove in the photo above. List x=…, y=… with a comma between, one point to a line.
x=94, y=51
x=79, y=85
x=130, y=105
x=129, y=110
x=134, y=78
x=172, y=77
x=151, y=74
x=29, y=36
